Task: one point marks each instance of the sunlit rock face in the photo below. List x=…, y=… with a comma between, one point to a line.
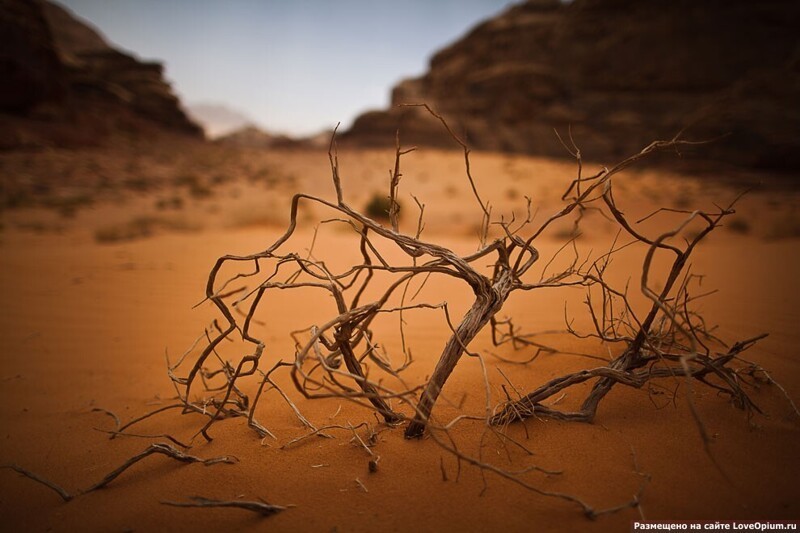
x=619, y=73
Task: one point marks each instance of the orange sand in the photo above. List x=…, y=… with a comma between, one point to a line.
x=86, y=325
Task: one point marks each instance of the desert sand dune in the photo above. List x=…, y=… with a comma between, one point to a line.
x=87, y=321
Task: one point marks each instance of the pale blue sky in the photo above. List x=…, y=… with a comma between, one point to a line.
x=292, y=66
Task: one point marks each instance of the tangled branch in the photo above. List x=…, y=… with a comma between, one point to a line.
x=341, y=357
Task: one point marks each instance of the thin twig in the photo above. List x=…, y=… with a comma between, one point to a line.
x=66, y=496
x=163, y=449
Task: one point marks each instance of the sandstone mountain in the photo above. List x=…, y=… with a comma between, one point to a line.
x=619, y=73
x=64, y=85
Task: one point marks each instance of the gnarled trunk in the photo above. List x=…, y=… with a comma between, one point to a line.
x=487, y=303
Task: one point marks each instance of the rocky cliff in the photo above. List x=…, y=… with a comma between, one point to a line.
x=619, y=73
x=65, y=85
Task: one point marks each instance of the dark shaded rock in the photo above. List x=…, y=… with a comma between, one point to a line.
x=29, y=65
x=71, y=37
x=65, y=86
x=619, y=73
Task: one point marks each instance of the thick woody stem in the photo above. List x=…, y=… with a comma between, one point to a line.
x=489, y=300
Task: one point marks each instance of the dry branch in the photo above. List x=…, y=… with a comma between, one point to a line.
x=341, y=358
x=66, y=496
x=163, y=449
x=261, y=508
x=109, y=413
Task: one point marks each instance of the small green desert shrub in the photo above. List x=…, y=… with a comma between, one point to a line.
x=683, y=200
x=739, y=225
x=567, y=233
x=378, y=207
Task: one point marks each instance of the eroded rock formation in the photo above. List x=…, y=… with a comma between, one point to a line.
x=65, y=85
x=620, y=73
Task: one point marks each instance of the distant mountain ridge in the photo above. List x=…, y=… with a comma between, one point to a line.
x=218, y=120
x=619, y=74
x=254, y=137
x=64, y=85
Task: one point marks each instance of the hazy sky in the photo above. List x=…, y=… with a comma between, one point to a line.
x=292, y=66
